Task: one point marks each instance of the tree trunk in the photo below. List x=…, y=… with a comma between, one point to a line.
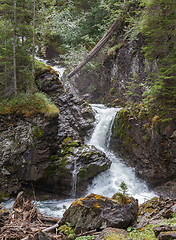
x=14, y=51
x=99, y=45
x=33, y=49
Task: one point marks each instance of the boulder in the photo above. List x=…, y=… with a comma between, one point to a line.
x=99, y=212
x=75, y=168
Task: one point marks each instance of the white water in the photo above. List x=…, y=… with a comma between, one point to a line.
x=107, y=183
x=60, y=70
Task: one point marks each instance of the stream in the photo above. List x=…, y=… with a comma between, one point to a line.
x=107, y=183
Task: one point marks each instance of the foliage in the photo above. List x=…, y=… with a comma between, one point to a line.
x=40, y=68
x=147, y=232
x=67, y=230
x=144, y=233
x=29, y=104
x=123, y=188
x=157, y=23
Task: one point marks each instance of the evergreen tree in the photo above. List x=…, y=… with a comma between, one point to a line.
x=158, y=23
x=16, y=45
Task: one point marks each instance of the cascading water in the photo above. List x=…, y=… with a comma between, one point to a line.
x=107, y=183
x=74, y=180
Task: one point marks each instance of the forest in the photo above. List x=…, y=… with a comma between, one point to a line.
x=102, y=135
x=74, y=27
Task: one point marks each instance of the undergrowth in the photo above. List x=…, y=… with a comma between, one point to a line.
x=29, y=104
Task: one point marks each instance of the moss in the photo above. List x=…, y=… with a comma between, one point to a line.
x=121, y=199
x=144, y=138
x=4, y=196
x=112, y=90
x=29, y=105
x=51, y=170
x=82, y=173
x=37, y=132
x=97, y=205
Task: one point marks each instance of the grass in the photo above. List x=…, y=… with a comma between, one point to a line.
x=29, y=104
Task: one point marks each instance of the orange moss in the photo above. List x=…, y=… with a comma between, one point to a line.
x=97, y=205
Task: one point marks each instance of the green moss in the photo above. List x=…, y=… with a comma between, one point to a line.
x=4, y=196
x=144, y=138
x=146, y=233
x=51, y=170
x=121, y=199
x=37, y=132
x=112, y=90
x=82, y=173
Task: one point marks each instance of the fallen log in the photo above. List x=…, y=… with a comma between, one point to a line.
x=98, y=46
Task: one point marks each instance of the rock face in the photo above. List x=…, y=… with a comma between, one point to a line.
x=98, y=212
x=41, y=150
x=121, y=66
x=150, y=143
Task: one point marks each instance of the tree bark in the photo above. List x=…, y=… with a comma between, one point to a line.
x=14, y=51
x=99, y=45
x=33, y=48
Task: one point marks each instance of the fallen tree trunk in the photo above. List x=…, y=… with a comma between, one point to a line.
x=99, y=45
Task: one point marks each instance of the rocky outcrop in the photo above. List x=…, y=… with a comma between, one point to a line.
x=150, y=143
x=119, y=68
x=73, y=168
x=98, y=212
x=154, y=210
x=39, y=150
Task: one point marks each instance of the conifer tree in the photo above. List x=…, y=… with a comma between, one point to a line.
x=158, y=25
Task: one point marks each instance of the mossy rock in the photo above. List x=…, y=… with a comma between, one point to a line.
x=97, y=212
x=112, y=234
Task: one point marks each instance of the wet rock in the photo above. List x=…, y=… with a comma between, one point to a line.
x=109, y=80
x=148, y=148
x=79, y=164
x=112, y=233
x=98, y=212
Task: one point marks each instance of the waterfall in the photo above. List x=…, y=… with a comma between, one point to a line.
x=74, y=180
x=108, y=182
